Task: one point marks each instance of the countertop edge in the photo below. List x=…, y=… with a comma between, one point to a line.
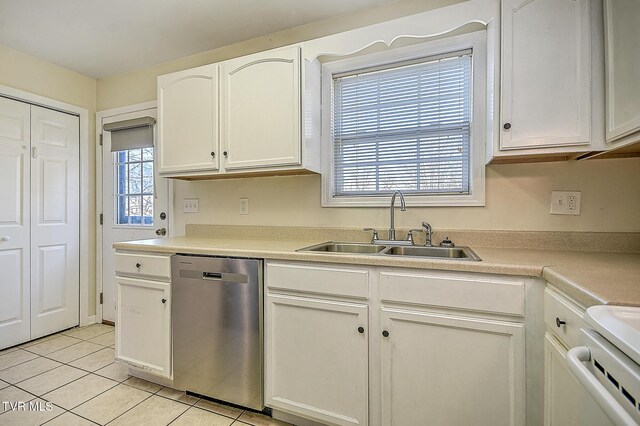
x=541, y=269
x=365, y=260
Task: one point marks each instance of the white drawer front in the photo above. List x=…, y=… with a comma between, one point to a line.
x=558, y=308
x=144, y=265
x=502, y=296
x=336, y=281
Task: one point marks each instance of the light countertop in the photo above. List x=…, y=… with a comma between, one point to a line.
x=590, y=278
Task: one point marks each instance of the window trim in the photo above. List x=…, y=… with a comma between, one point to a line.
x=475, y=41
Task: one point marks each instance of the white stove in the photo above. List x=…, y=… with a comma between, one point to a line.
x=607, y=363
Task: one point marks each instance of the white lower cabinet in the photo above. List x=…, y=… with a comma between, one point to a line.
x=397, y=353
x=316, y=358
x=143, y=324
x=143, y=317
x=449, y=369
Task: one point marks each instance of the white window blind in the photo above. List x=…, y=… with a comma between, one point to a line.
x=405, y=126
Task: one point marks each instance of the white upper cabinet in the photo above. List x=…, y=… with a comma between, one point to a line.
x=261, y=109
x=551, y=90
x=622, y=66
x=252, y=124
x=188, y=121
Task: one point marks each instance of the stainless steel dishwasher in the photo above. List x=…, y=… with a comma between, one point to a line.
x=217, y=328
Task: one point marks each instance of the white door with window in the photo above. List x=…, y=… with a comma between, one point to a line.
x=39, y=221
x=134, y=201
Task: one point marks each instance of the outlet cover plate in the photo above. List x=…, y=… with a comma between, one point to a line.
x=191, y=205
x=243, y=206
x=565, y=202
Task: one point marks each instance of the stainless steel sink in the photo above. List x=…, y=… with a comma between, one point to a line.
x=351, y=248
x=458, y=253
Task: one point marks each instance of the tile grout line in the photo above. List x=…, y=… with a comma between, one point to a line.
x=53, y=336
x=122, y=414
x=76, y=406
x=44, y=372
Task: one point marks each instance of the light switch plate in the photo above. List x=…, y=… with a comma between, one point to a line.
x=565, y=202
x=191, y=205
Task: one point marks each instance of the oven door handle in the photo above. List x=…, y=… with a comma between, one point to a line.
x=575, y=359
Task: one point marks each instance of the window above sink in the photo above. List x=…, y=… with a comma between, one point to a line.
x=409, y=118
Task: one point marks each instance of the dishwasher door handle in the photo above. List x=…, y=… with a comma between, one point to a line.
x=212, y=276
x=226, y=277
x=575, y=358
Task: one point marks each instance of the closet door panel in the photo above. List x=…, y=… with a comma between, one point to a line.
x=54, y=221
x=14, y=222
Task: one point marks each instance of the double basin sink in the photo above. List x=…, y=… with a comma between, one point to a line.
x=454, y=253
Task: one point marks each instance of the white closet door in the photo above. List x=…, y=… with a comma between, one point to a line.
x=55, y=227
x=14, y=222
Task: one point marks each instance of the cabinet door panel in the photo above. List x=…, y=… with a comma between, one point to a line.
x=316, y=359
x=546, y=73
x=622, y=50
x=566, y=402
x=188, y=120
x=261, y=109
x=451, y=370
x=144, y=307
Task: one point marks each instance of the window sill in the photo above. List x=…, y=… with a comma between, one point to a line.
x=411, y=201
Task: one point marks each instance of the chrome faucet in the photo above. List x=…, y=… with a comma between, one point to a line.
x=427, y=231
x=392, y=229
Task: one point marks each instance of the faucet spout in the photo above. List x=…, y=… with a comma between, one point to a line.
x=392, y=229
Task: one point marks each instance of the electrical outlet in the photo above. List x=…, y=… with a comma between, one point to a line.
x=191, y=205
x=243, y=206
x=565, y=202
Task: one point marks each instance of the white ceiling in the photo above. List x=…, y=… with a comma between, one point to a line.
x=99, y=38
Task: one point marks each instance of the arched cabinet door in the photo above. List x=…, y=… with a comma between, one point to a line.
x=261, y=110
x=188, y=120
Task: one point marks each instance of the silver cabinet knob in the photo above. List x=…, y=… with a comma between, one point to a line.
x=6, y=238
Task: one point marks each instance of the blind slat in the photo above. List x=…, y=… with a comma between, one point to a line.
x=407, y=128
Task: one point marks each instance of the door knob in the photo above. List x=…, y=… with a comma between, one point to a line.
x=385, y=333
x=164, y=300
x=360, y=330
x=138, y=265
x=161, y=231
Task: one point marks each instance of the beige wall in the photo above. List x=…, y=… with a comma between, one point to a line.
x=140, y=85
x=517, y=198
x=24, y=72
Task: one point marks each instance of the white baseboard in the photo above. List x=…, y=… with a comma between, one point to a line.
x=88, y=320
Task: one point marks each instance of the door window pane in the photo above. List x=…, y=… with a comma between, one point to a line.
x=134, y=187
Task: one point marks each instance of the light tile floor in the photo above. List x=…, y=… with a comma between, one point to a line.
x=73, y=373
